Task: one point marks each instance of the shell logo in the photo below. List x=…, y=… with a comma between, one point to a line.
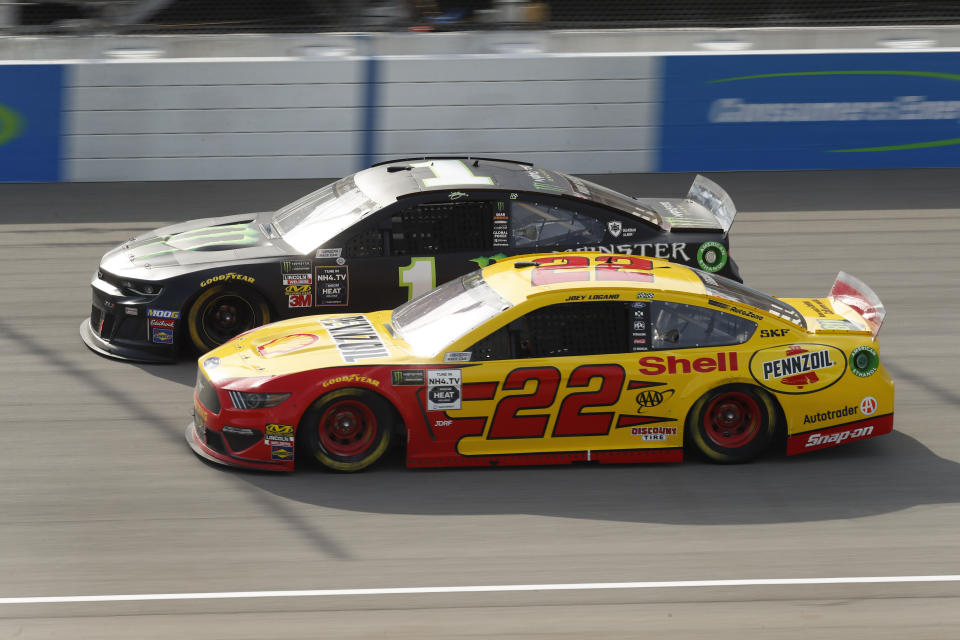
x=798, y=368
x=287, y=344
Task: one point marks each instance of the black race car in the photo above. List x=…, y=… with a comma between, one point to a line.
x=373, y=240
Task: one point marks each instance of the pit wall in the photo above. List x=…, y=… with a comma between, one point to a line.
x=323, y=117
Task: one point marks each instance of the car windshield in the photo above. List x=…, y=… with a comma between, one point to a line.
x=721, y=287
x=434, y=320
x=315, y=218
x=611, y=198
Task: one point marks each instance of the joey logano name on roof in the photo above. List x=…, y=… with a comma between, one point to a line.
x=355, y=338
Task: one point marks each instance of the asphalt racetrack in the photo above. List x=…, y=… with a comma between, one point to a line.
x=100, y=495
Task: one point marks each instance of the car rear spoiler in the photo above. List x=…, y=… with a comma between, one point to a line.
x=858, y=296
x=714, y=199
x=707, y=207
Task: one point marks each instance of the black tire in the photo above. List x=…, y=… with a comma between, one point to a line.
x=223, y=311
x=346, y=430
x=732, y=424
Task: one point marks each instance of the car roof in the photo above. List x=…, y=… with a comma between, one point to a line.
x=511, y=277
x=395, y=179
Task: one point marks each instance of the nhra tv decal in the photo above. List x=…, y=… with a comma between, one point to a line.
x=798, y=368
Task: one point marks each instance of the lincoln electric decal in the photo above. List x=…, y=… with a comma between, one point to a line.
x=30, y=114
x=745, y=112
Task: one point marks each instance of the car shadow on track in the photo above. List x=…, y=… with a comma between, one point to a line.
x=865, y=478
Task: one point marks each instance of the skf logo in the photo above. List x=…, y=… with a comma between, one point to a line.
x=773, y=333
x=291, y=289
x=300, y=300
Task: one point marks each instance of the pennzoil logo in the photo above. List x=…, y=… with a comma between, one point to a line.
x=355, y=338
x=798, y=368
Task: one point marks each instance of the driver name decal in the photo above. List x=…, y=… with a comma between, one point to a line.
x=355, y=338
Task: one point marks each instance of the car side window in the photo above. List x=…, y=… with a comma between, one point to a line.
x=685, y=326
x=443, y=227
x=565, y=329
x=544, y=224
x=367, y=243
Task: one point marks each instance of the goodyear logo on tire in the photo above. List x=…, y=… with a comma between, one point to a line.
x=798, y=368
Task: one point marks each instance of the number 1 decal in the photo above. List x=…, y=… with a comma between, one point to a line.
x=451, y=172
x=418, y=277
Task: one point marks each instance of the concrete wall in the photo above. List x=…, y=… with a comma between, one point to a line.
x=321, y=107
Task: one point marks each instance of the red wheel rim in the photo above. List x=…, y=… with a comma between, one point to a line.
x=732, y=419
x=347, y=428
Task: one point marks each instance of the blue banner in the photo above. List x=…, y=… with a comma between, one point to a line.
x=30, y=122
x=811, y=111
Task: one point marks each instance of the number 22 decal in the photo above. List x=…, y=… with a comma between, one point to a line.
x=571, y=420
x=561, y=268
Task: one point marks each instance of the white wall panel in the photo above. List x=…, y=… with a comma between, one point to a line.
x=249, y=168
x=143, y=121
x=526, y=92
x=517, y=116
x=179, y=120
x=178, y=74
x=496, y=141
x=500, y=68
x=277, y=96
x=188, y=145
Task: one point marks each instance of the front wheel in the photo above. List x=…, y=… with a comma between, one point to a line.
x=222, y=312
x=732, y=424
x=347, y=430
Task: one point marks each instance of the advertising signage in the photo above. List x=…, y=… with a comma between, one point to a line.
x=811, y=111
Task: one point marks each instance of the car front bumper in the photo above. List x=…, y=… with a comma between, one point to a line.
x=122, y=327
x=205, y=435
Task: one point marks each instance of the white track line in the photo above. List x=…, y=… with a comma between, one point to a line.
x=586, y=586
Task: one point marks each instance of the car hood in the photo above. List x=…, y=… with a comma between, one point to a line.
x=195, y=244
x=303, y=344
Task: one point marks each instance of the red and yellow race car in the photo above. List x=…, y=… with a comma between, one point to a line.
x=552, y=358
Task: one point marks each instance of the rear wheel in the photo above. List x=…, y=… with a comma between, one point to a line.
x=222, y=312
x=347, y=430
x=732, y=424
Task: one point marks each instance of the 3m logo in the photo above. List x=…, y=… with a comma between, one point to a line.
x=300, y=300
